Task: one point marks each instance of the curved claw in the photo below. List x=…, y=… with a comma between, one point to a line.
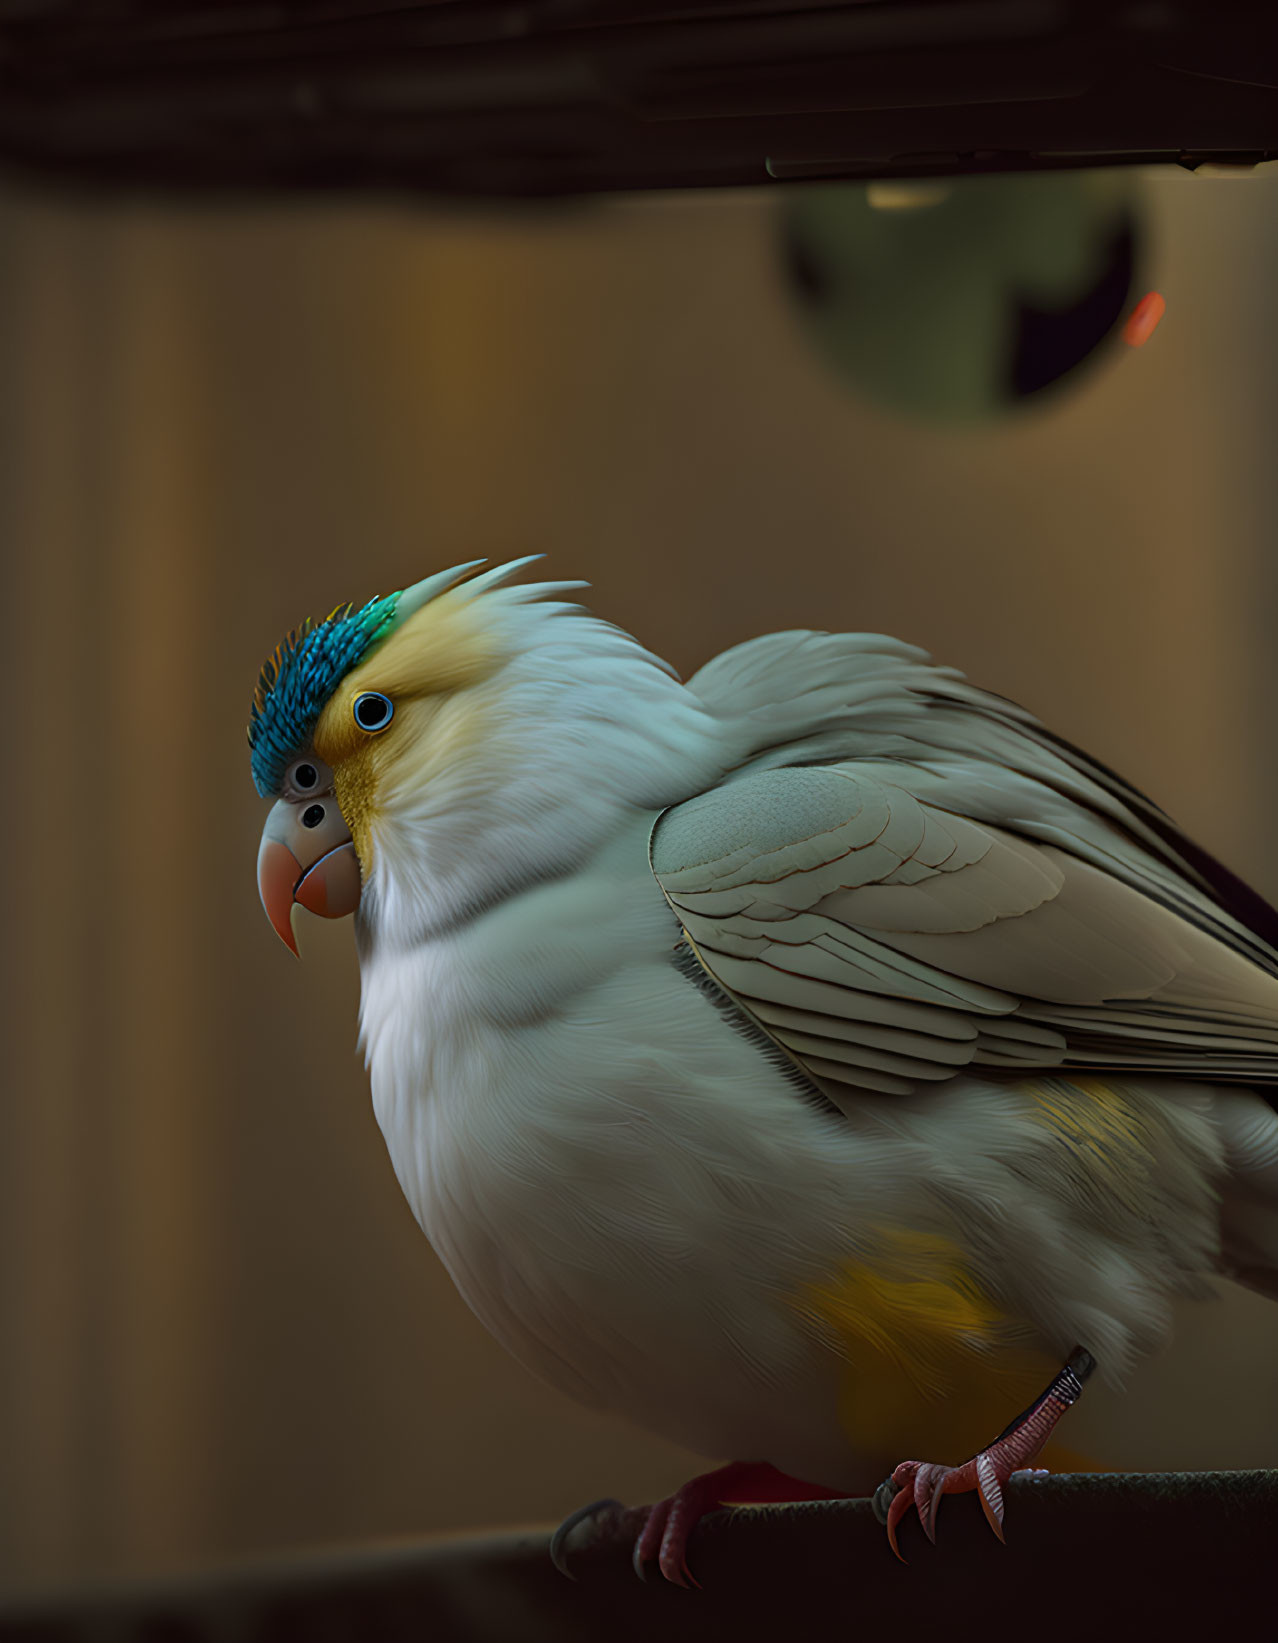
x=638, y=1562
x=929, y=1487
x=902, y=1481
x=683, y=1512
x=923, y=1484
x=901, y=1504
x=990, y=1493
x=678, y=1574
x=649, y=1540
x=559, y=1540
x=665, y=1538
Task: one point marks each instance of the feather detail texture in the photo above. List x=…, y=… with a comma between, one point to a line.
x=884, y=941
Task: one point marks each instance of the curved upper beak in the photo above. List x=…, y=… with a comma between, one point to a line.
x=312, y=866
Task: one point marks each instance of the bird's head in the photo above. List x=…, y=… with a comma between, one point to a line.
x=434, y=746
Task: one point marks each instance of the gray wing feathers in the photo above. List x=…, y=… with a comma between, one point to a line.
x=887, y=942
x=804, y=697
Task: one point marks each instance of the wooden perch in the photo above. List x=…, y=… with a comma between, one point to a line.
x=527, y=97
x=1180, y=1555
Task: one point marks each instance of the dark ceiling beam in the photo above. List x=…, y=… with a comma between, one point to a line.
x=538, y=97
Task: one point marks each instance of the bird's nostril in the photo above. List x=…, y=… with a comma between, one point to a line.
x=313, y=815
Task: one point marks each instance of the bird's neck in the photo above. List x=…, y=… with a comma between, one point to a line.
x=569, y=755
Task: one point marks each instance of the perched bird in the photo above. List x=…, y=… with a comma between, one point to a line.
x=815, y=1062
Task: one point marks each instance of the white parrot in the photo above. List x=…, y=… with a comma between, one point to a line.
x=814, y=1062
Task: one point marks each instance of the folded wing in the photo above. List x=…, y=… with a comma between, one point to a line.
x=886, y=942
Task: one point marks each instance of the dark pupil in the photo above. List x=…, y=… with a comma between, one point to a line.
x=371, y=712
x=313, y=815
x=306, y=775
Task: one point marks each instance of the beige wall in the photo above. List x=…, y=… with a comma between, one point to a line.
x=222, y=1331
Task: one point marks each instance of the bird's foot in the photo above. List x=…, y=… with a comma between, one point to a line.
x=922, y=1484
x=665, y=1535
x=594, y=1514
x=668, y=1526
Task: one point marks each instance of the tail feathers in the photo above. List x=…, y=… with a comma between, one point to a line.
x=1249, y=1213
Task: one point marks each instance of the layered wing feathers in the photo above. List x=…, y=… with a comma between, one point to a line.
x=886, y=942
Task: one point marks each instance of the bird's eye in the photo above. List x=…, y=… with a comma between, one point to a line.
x=372, y=710
x=313, y=815
x=305, y=776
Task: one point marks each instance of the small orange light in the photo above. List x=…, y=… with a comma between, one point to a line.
x=1144, y=318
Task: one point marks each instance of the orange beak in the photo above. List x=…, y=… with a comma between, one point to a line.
x=306, y=859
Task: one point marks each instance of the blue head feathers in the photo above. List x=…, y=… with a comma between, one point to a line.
x=307, y=668
x=300, y=677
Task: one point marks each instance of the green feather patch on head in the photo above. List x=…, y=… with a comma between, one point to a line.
x=298, y=678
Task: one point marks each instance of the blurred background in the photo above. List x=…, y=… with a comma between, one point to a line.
x=223, y=1334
